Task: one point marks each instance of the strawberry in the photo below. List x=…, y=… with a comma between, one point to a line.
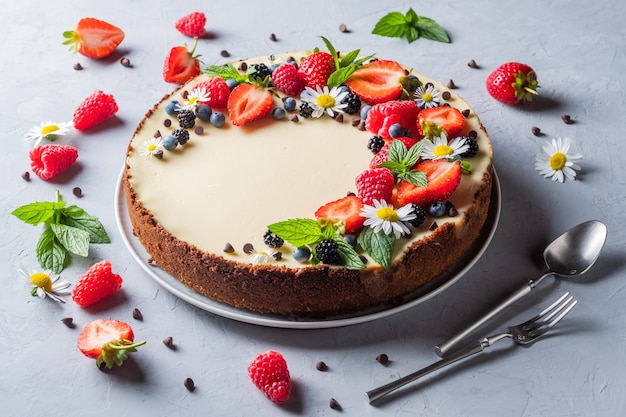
x=248, y=102
x=97, y=283
x=286, y=79
x=49, y=160
x=270, y=374
x=443, y=178
x=93, y=110
x=448, y=118
x=381, y=155
x=107, y=341
x=375, y=184
x=93, y=38
x=346, y=209
x=512, y=83
x=316, y=68
x=217, y=90
x=383, y=115
x=192, y=25
x=378, y=82
x=181, y=65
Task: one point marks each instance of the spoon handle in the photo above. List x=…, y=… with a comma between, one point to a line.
x=444, y=348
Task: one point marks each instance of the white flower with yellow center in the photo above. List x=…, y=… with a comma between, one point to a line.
x=45, y=284
x=325, y=100
x=194, y=98
x=427, y=96
x=556, y=163
x=440, y=148
x=273, y=60
x=151, y=147
x=383, y=216
x=47, y=130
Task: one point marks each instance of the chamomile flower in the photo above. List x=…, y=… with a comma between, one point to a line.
x=440, y=148
x=556, y=163
x=151, y=147
x=48, y=130
x=427, y=96
x=195, y=97
x=264, y=257
x=273, y=60
x=45, y=284
x=383, y=216
x=325, y=100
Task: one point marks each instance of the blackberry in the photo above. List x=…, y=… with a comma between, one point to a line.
x=261, y=71
x=305, y=110
x=186, y=119
x=182, y=136
x=375, y=143
x=272, y=240
x=328, y=251
x=354, y=103
x=473, y=148
x=420, y=214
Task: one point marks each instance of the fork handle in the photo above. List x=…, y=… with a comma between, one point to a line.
x=469, y=350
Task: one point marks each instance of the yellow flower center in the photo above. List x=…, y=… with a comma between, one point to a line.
x=41, y=280
x=557, y=161
x=325, y=101
x=427, y=97
x=152, y=147
x=388, y=214
x=48, y=129
x=442, y=150
x=192, y=101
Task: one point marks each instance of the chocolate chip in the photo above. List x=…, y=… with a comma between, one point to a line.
x=224, y=53
x=536, y=131
x=472, y=134
x=383, y=359
x=69, y=322
x=243, y=66
x=451, y=85
x=228, y=248
x=167, y=122
x=450, y=209
x=294, y=118
x=465, y=113
x=26, y=176
x=339, y=117
x=77, y=66
x=77, y=191
x=125, y=62
x=363, y=259
x=248, y=248
x=184, y=94
x=273, y=37
x=157, y=133
x=158, y=154
x=567, y=119
x=361, y=125
x=446, y=95
x=472, y=64
x=189, y=384
x=321, y=366
x=278, y=255
x=168, y=341
x=355, y=121
x=334, y=404
x=137, y=314
x=343, y=28
x=433, y=226
x=198, y=130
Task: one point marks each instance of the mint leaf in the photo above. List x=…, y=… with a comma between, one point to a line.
x=39, y=212
x=50, y=253
x=225, y=72
x=349, y=258
x=74, y=240
x=429, y=29
x=340, y=76
x=415, y=177
x=298, y=232
x=401, y=161
x=411, y=26
x=77, y=217
x=393, y=25
x=345, y=67
x=378, y=245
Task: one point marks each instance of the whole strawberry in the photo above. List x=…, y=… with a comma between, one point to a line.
x=217, y=91
x=286, y=79
x=107, y=341
x=512, y=83
x=192, y=25
x=49, y=160
x=97, y=283
x=316, y=68
x=270, y=374
x=94, y=110
x=375, y=184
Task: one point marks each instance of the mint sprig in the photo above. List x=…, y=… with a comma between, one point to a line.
x=400, y=162
x=410, y=26
x=344, y=67
x=378, y=245
x=66, y=230
x=226, y=72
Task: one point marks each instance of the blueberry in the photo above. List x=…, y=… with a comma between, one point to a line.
x=414, y=82
x=203, y=112
x=437, y=209
x=231, y=83
x=217, y=119
x=171, y=108
x=170, y=142
x=273, y=67
x=302, y=254
x=278, y=113
x=396, y=130
x=350, y=240
x=364, y=111
x=289, y=103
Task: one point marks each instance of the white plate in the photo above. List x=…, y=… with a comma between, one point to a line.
x=435, y=287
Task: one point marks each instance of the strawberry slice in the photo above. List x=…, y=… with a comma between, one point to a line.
x=93, y=38
x=378, y=82
x=107, y=341
x=248, y=102
x=181, y=65
x=346, y=209
x=443, y=178
x=383, y=115
x=447, y=118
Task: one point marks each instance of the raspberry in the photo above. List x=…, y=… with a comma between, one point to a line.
x=328, y=252
x=93, y=110
x=192, y=25
x=286, y=79
x=97, y=283
x=217, y=90
x=186, y=119
x=49, y=160
x=272, y=240
x=375, y=184
x=382, y=116
x=270, y=374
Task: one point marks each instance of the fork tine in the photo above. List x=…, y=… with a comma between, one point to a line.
x=554, y=317
x=544, y=312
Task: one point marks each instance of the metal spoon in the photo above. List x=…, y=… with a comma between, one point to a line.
x=570, y=254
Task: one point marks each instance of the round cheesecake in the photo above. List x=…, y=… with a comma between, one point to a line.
x=203, y=210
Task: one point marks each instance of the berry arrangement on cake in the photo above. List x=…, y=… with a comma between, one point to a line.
x=308, y=183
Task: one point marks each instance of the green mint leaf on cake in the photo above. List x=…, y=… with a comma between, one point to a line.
x=344, y=66
x=379, y=245
x=298, y=232
x=349, y=258
x=400, y=161
x=410, y=26
x=226, y=72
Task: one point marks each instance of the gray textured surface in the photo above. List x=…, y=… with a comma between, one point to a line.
x=580, y=56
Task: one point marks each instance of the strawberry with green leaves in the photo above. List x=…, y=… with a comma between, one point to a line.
x=93, y=38
x=94, y=110
x=181, y=64
x=316, y=68
x=107, y=341
x=346, y=210
x=512, y=83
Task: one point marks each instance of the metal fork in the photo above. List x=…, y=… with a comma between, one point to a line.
x=523, y=334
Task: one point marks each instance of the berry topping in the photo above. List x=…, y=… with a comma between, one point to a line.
x=49, y=160
x=217, y=91
x=375, y=143
x=247, y=103
x=420, y=216
x=473, y=148
x=375, y=184
x=378, y=82
x=217, y=119
x=512, y=83
x=443, y=178
x=171, y=108
x=93, y=110
x=437, y=208
x=290, y=104
x=93, y=38
x=384, y=115
x=316, y=68
x=192, y=25
x=328, y=252
x=260, y=72
x=346, y=209
x=286, y=79
x=182, y=136
x=270, y=374
x=97, y=283
x=448, y=118
x=186, y=119
x=272, y=241
x=353, y=103
x=203, y=112
x=305, y=110
x=181, y=65
x=383, y=153
x=170, y=142
x=107, y=341
x=302, y=254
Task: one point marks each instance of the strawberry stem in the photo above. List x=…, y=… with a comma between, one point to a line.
x=126, y=347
